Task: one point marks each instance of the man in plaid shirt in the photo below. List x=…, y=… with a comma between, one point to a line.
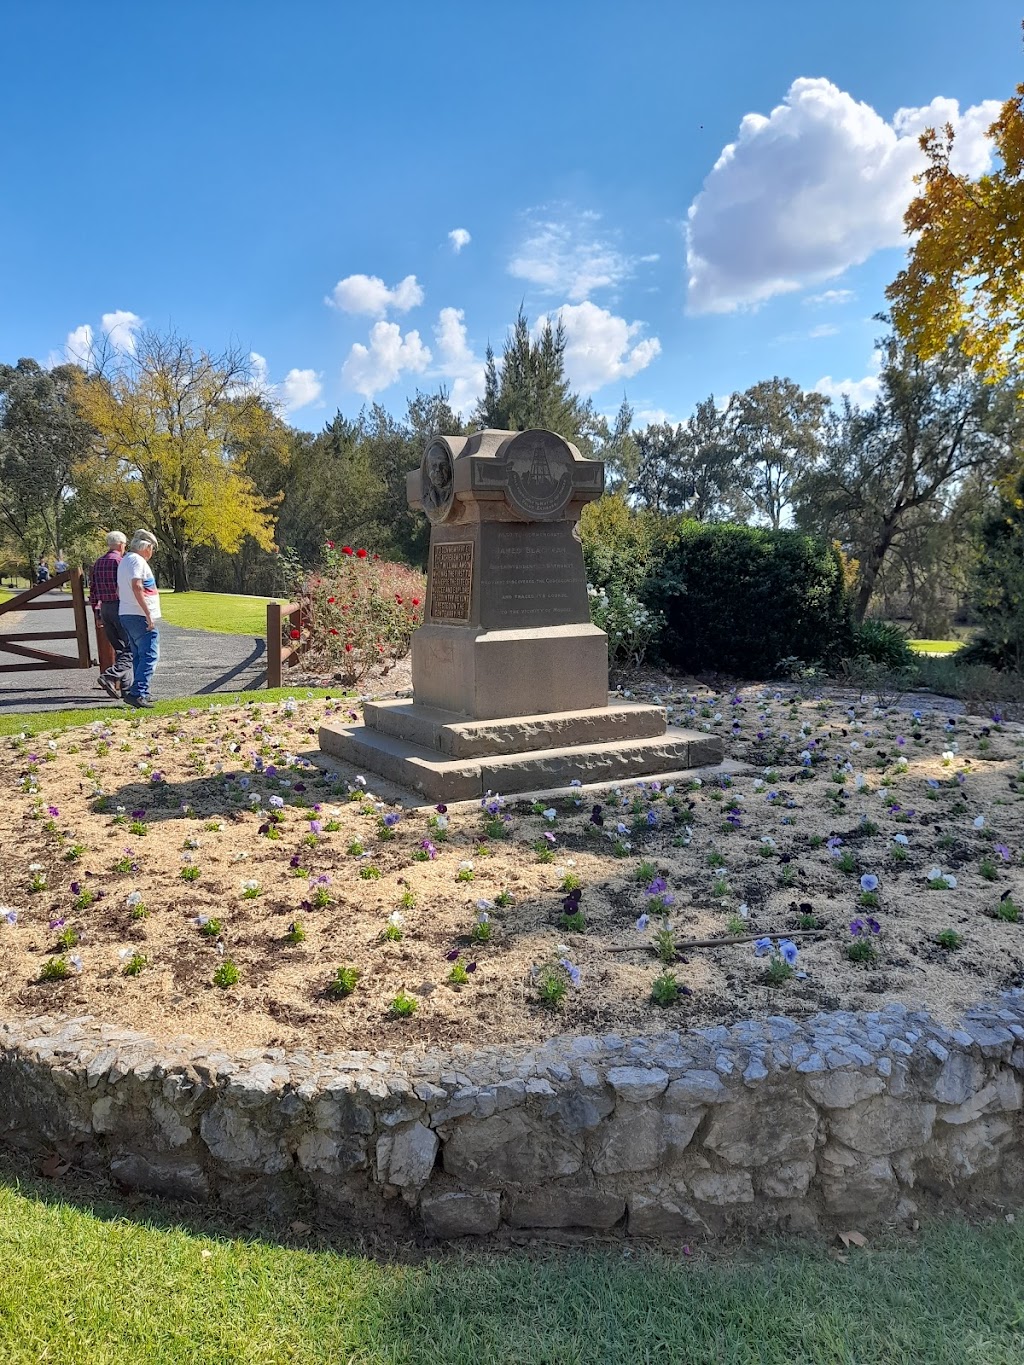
x=103, y=598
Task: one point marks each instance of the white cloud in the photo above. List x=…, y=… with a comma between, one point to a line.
x=78, y=347
x=815, y=187
x=459, y=238
x=370, y=369
x=368, y=294
x=601, y=347
x=457, y=363
x=861, y=392
x=823, y=329
x=568, y=256
x=829, y=297
x=120, y=327
x=654, y=417
x=299, y=388
x=260, y=372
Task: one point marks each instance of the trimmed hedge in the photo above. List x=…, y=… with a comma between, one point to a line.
x=739, y=599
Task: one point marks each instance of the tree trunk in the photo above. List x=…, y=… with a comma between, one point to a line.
x=869, y=575
x=179, y=570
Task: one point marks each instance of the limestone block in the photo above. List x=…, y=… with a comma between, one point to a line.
x=566, y=1206
x=679, y=1131
x=579, y=1110
x=976, y=1148
x=238, y=1142
x=958, y=1079
x=633, y=1139
x=696, y=1087
x=653, y=1216
x=754, y=1130
x=637, y=1083
x=853, y=1184
x=330, y=1155
x=1002, y=1094
x=510, y=1149
x=722, y=1187
x=788, y=1181
x=409, y=1157
x=460, y=1214
x=841, y=1089
x=174, y=1177
x=882, y=1125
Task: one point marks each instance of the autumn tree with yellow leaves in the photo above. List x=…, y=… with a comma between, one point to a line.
x=965, y=275
x=175, y=427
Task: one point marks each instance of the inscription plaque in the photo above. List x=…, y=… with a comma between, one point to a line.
x=532, y=576
x=451, y=581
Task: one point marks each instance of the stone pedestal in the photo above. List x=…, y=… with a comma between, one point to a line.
x=510, y=678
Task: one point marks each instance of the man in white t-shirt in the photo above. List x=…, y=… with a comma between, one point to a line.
x=138, y=605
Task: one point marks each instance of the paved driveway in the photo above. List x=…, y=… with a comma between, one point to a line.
x=192, y=663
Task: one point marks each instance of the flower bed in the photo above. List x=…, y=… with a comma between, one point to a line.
x=198, y=875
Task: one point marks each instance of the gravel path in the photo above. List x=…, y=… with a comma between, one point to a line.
x=192, y=663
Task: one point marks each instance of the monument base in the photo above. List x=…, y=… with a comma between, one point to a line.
x=444, y=756
x=491, y=673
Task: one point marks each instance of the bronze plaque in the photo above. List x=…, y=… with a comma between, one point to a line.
x=451, y=581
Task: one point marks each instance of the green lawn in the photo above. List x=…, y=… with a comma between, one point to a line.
x=935, y=646
x=37, y=722
x=231, y=613
x=87, y=1282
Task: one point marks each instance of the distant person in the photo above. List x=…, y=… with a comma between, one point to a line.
x=42, y=572
x=61, y=566
x=139, y=611
x=103, y=598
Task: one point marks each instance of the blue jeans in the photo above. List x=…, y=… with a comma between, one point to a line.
x=145, y=645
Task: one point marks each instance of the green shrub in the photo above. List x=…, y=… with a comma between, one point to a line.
x=882, y=643
x=738, y=599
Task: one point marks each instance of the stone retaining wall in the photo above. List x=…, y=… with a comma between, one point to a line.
x=845, y=1118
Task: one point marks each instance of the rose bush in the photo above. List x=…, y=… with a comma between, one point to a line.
x=358, y=613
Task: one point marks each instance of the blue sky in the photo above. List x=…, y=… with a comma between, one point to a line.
x=287, y=178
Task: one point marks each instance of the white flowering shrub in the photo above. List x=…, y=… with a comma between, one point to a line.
x=629, y=625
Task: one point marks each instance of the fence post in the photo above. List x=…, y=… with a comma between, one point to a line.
x=273, y=644
x=81, y=618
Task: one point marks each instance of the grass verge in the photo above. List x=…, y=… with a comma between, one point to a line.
x=935, y=646
x=227, y=613
x=39, y=722
x=91, y=1282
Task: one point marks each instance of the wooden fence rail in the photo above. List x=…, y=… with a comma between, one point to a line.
x=36, y=659
x=284, y=639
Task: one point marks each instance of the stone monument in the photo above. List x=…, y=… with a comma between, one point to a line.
x=510, y=678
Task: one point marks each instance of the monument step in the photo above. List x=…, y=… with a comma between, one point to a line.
x=439, y=778
x=454, y=736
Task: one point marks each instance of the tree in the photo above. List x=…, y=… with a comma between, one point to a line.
x=531, y=388
x=889, y=469
x=691, y=468
x=43, y=436
x=965, y=276
x=778, y=431
x=174, y=425
x=999, y=582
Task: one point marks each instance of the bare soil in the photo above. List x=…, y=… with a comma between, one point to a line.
x=98, y=817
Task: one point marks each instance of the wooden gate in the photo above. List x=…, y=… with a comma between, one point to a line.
x=17, y=642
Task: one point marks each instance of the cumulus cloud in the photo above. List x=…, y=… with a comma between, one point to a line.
x=369, y=295
x=654, y=417
x=78, y=347
x=569, y=256
x=823, y=329
x=120, y=328
x=369, y=369
x=299, y=388
x=601, y=347
x=861, y=392
x=813, y=188
x=459, y=238
x=457, y=363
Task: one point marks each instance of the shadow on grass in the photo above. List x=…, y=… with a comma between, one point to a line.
x=92, y=1277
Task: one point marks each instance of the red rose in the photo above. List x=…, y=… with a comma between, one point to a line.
x=361, y=554
x=330, y=545
x=376, y=556
x=294, y=634
x=415, y=601
x=330, y=599
x=398, y=599
x=333, y=631
x=346, y=549
x=348, y=649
